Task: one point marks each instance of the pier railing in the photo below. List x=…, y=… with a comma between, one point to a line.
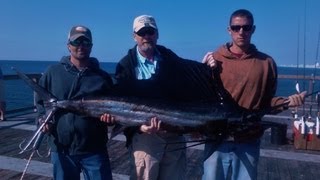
x=295, y=77
x=35, y=77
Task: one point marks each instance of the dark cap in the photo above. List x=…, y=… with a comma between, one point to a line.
x=78, y=31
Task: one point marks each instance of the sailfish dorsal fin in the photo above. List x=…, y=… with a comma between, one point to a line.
x=44, y=94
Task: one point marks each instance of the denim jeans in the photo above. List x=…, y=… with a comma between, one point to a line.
x=69, y=167
x=239, y=158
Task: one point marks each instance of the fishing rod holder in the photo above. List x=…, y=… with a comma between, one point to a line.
x=306, y=135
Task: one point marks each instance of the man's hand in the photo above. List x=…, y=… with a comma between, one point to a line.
x=209, y=60
x=47, y=127
x=296, y=99
x=107, y=118
x=152, y=128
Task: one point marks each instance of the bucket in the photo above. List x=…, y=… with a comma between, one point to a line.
x=279, y=134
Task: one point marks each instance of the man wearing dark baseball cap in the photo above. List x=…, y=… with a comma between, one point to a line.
x=79, y=31
x=80, y=43
x=77, y=142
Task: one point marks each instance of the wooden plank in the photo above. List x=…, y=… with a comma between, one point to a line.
x=12, y=175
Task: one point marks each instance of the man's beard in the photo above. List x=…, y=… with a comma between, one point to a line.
x=147, y=47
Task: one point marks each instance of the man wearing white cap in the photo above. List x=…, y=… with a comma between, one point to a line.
x=143, y=73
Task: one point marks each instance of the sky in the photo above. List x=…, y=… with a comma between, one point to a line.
x=287, y=30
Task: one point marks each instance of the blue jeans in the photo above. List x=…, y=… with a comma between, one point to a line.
x=93, y=166
x=242, y=158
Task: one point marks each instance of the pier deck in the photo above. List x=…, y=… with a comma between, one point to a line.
x=277, y=161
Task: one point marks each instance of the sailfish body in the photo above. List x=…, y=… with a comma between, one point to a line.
x=137, y=111
x=198, y=103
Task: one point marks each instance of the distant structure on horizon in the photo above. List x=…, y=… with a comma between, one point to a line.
x=316, y=65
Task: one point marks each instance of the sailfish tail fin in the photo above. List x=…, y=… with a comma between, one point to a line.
x=44, y=94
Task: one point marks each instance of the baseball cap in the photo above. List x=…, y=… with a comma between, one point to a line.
x=144, y=21
x=78, y=31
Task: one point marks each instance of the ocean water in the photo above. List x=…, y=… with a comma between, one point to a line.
x=287, y=87
x=19, y=95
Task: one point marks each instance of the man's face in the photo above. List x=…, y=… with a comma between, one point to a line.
x=241, y=30
x=80, y=48
x=146, y=38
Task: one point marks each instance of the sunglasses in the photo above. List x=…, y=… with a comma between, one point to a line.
x=80, y=42
x=146, y=31
x=236, y=28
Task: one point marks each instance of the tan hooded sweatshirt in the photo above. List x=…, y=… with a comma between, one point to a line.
x=251, y=79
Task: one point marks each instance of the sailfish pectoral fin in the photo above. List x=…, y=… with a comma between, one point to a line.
x=44, y=94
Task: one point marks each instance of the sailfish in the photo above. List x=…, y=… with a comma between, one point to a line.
x=200, y=104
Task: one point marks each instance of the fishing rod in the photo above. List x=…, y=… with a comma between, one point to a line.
x=305, y=119
x=298, y=50
x=317, y=55
x=252, y=115
x=287, y=103
x=200, y=142
x=297, y=86
x=304, y=44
